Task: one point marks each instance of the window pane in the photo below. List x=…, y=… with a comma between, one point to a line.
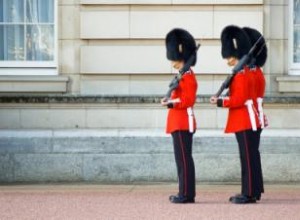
x=40, y=11
x=11, y=10
x=27, y=31
x=11, y=42
x=297, y=45
x=296, y=11
x=40, y=42
x=296, y=27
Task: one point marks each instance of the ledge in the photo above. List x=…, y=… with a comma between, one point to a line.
x=30, y=84
x=119, y=99
x=170, y=2
x=123, y=132
x=288, y=84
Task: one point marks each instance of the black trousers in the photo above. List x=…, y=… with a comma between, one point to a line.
x=251, y=172
x=182, y=142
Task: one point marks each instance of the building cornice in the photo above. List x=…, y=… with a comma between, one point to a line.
x=133, y=99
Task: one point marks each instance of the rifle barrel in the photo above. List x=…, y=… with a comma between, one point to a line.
x=238, y=67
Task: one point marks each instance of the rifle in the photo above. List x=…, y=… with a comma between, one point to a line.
x=240, y=65
x=175, y=81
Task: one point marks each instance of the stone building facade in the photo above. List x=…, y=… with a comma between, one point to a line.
x=108, y=72
x=116, y=48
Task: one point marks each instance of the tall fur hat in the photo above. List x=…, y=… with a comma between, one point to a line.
x=180, y=45
x=235, y=42
x=260, y=54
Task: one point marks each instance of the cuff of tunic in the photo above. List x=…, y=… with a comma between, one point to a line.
x=220, y=102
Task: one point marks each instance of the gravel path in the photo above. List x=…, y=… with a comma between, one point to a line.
x=118, y=202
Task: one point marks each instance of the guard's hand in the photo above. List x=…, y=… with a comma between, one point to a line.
x=213, y=100
x=164, y=101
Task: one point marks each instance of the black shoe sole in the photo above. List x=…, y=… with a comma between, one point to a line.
x=182, y=202
x=176, y=199
x=240, y=199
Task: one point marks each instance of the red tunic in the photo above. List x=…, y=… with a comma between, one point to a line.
x=253, y=88
x=241, y=89
x=186, y=92
x=261, y=82
x=260, y=89
x=252, y=83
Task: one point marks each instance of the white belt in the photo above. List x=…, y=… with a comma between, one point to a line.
x=261, y=112
x=191, y=119
x=249, y=104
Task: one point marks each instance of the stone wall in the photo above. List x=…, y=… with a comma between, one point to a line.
x=108, y=126
x=117, y=47
x=127, y=156
x=124, y=112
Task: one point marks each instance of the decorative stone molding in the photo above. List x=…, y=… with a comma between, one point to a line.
x=288, y=84
x=33, y=84
x=68, y=98
x=170, y=2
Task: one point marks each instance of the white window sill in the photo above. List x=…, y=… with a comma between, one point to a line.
x=33, y=84
x=28, y=71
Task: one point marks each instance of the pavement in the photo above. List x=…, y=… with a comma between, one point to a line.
x=142, y=202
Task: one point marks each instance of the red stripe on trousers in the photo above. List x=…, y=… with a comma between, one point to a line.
x=184, y=164
x=249, y=167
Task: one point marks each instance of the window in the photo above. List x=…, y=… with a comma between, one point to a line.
x=294, y=40
x=28, y=33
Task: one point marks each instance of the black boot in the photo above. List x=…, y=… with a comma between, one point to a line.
x=242, y=199
x=181, y=199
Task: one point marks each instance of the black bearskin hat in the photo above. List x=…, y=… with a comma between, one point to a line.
x=261, y=52
x=180, y=45
x=235, y=42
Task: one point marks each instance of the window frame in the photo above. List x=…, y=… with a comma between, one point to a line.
x=294, y=68
x=35, y=67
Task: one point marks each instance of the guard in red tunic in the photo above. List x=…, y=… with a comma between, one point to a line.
x=181, y=121
x=260, y=57
x=242, y=117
